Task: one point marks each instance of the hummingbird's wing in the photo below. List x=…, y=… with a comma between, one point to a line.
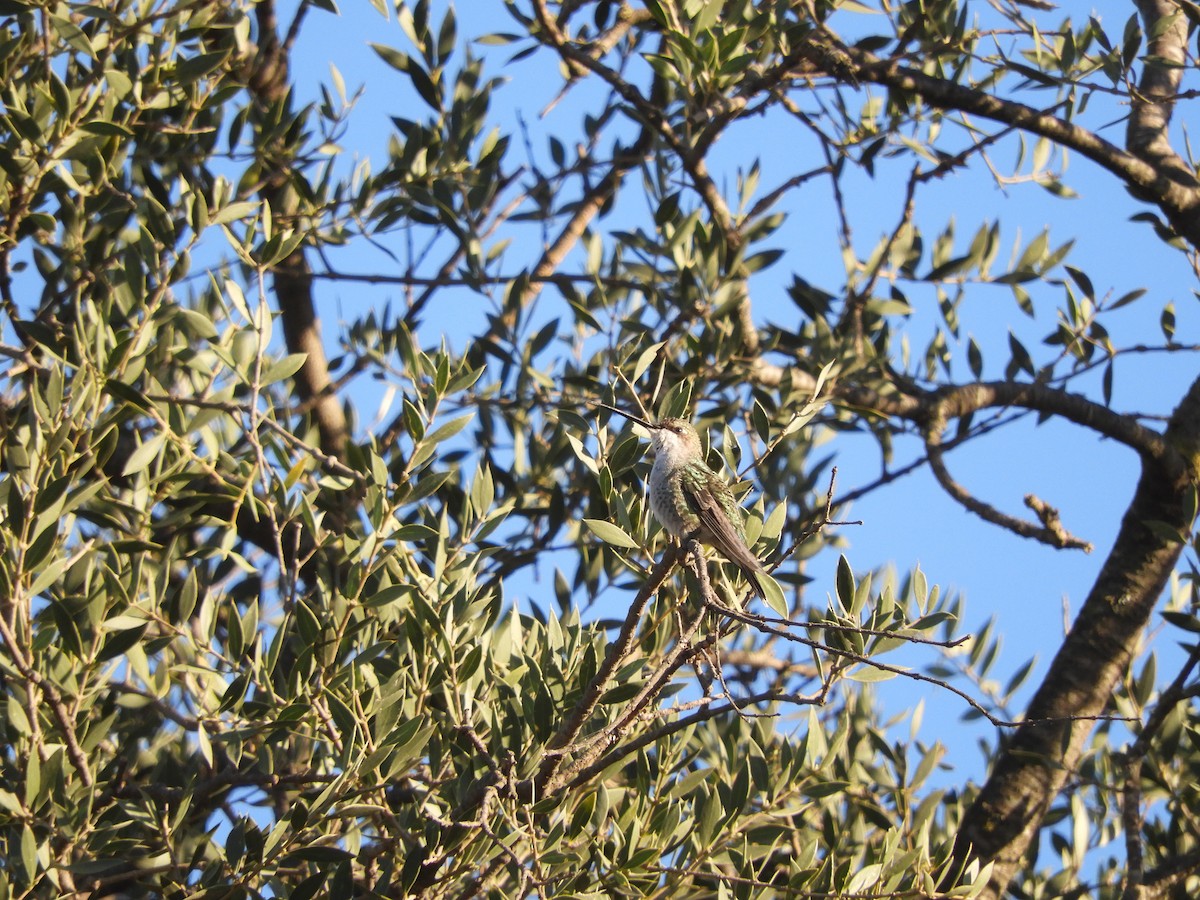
x=721, y=524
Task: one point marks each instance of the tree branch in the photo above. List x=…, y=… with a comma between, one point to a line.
x=1008, y=812
x=269, y=85
x=616, y=652
x=58, y=709
x=953, y=401
x=1156, y=177
x=1136, y=881
x=1047, y=534
x=1151, y=104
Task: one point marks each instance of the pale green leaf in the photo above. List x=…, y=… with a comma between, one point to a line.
x=610, y=533
x=143, y=455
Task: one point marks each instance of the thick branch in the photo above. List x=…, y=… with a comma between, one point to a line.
x=1175, y=192
x=955, y=402
x=564, y=756
x=585, y=751
x=269, y=84
x=1007, y=815
x=711, y=710
x=1160, y=881
x=586, y=210
x=302, y=333
x=1162, y=71
x=58, y=708
x=958, y=400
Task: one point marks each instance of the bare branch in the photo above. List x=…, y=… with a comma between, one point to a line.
x=1054, y=536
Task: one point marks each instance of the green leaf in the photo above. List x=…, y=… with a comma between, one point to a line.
x=316, y=853
x=29, y=853
x=948, y=268
x=822, y=789
x=107, y=129
x=483, y=490
x=1182, y=620
x=975, y=358
x=389, y=595
x=193, y=69
x=48, y=575
x=1127, y=298
x=447, y=36
x=451, y=428
x=707, y=15
x=1020, y=361
x=773, y=595
x=621, y=692
x=283, y=368
x=414, y=533
x=498, y=39
x=845, y=583
x=1167, y=322
x=759, y=261
x=18, y=721
x=120, y=391
x=421, y=79
x=145, y=454
x=660, y=14
x=646, y=357
x=73, y=35
x=233, y=212
x=610, y=534
x=870, y=675
x=203, y=744
x=773, y=525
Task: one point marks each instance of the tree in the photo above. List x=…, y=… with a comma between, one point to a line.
x=254, y=645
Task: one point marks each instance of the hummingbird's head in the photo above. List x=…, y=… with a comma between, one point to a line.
x=675, y=441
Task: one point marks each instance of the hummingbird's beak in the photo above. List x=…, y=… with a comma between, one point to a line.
x=649, y=426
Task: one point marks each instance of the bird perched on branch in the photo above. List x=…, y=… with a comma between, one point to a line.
x=691, y=500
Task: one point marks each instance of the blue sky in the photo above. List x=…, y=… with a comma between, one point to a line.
x=1024, y=585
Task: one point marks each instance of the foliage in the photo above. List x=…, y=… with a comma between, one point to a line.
x=254, y=645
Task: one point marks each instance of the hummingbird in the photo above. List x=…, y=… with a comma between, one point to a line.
x=691, y=500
